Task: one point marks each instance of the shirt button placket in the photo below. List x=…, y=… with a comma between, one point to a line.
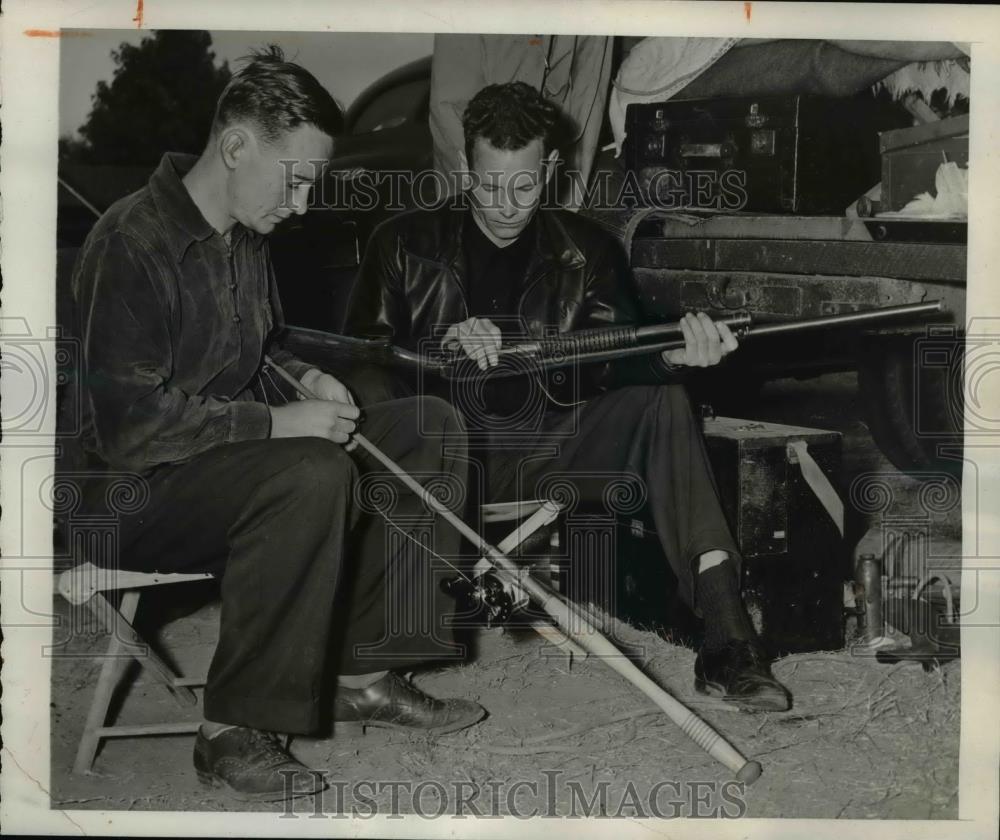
x=233, y=290
x=232, y=287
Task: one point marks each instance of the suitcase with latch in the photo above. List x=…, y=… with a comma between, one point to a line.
x=768, y=154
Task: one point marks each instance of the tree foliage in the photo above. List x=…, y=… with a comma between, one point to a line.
x=161, y=98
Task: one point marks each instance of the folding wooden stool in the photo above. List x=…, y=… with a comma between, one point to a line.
x=85, y=584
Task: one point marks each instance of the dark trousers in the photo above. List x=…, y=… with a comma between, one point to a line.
x=612, y=450
x=297, y=530
x=644, y=434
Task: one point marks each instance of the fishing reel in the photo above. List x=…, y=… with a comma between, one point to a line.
x=485, y=594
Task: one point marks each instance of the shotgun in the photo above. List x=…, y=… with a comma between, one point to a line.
x=604, y=344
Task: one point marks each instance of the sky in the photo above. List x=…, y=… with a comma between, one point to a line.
x=346, y=63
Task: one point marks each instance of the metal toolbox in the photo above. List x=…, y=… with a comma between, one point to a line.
x=794, y=564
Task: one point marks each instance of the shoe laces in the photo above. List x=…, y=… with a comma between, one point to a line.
x=269, y=747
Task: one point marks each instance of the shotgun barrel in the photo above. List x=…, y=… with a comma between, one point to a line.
x=748, y=330
x=906, y=311
x=580, y=347
x=607, y=339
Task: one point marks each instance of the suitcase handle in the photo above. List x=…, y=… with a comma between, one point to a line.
x=707, y=150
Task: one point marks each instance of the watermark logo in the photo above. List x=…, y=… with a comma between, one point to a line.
x=38, y=367
x=552, y=796
x=363, y=190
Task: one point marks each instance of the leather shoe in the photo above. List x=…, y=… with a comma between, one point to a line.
x=253, y=766
x=739, y=674
x=394, y=703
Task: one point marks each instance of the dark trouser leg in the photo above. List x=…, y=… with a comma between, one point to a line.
x=395, y=609
x=648, y=432
x=271, y=517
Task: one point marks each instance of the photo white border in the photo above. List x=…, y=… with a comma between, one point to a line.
x=29, y=85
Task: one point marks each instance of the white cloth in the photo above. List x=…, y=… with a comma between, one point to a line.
x=951, y=183
x=656, y=69
x=925, y=77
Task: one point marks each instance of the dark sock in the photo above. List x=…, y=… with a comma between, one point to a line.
x=717, y=594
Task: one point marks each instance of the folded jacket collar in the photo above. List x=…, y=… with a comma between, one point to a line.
x=554, y=245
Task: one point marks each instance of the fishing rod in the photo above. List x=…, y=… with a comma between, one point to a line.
x=569, y=620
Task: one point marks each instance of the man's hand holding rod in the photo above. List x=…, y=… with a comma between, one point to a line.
x=329, y=413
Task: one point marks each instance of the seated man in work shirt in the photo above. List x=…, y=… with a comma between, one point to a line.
x=176, y=305
x=497, y=266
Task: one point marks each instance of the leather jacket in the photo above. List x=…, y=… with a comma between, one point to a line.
x=412, y=285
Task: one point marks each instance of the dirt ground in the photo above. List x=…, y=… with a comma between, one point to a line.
x=863, y=739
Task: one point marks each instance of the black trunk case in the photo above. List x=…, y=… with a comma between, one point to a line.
x=793, y=560
x=795, y=154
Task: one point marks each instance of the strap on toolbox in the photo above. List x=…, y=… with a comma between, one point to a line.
x=798, y=453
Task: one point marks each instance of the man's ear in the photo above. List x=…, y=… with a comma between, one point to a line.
x=550, y=164
x=233, y=145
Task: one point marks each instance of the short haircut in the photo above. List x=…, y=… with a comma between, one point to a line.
x=509, y=117
x=276, y=96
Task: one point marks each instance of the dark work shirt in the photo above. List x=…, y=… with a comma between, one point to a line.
x=174, y=322
x=495, y=274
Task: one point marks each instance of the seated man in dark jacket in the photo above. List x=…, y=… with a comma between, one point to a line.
x=474, y=276
x=176, y=306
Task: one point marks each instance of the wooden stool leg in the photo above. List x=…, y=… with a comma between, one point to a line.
x=116, y=662
x=546, y=629
x=121, y=626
